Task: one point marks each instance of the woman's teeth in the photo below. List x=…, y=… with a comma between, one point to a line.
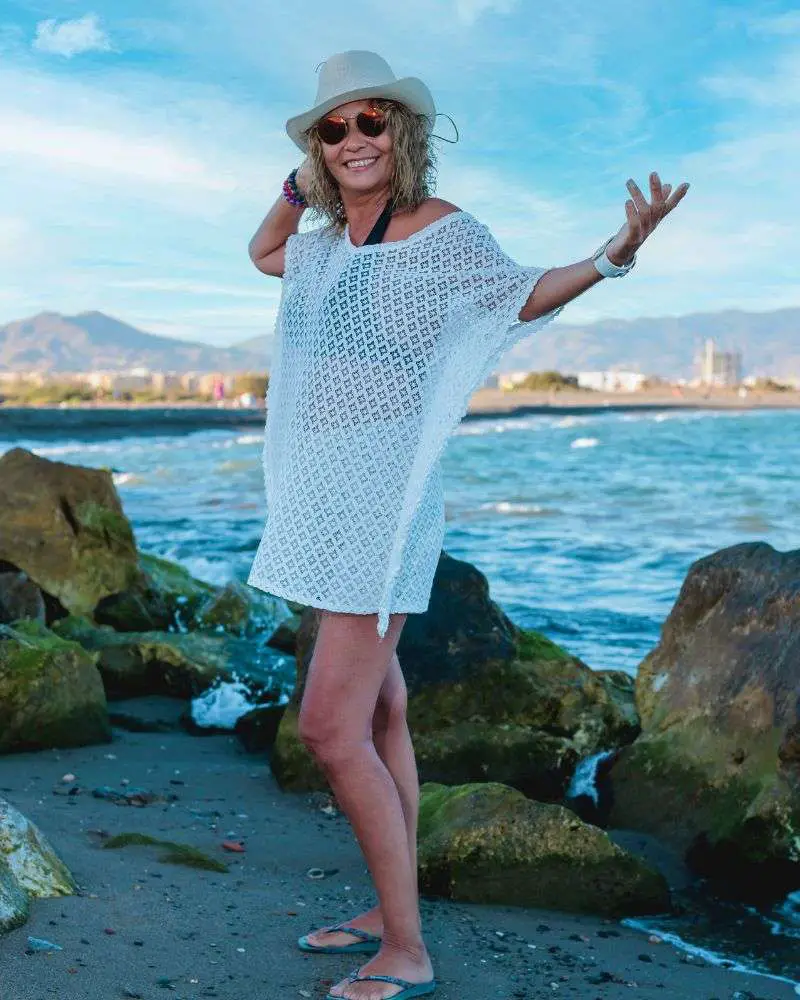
x=361, y=164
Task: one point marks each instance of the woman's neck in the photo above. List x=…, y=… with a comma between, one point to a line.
x=363, y=211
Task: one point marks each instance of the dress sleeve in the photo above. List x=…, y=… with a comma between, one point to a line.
x=486, y=289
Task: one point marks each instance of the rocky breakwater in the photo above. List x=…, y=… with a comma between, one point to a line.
x=716, y=769
x=500, y=717
x=488, y=701
x=86, y=618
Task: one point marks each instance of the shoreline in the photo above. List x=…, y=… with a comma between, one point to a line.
x=485, y=404
x=140, y=924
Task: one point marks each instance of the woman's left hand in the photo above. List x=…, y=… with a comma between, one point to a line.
x=643, y=217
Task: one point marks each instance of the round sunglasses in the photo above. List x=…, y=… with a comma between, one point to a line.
x=333, y=128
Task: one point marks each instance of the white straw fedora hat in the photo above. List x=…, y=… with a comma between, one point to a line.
x=352, y=76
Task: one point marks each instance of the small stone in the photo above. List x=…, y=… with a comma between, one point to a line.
x=67, y=778
x=655, y=939
x=40, y=944
x=233, y=845
x=645, y=958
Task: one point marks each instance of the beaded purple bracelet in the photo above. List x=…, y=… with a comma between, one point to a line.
x=291, y=192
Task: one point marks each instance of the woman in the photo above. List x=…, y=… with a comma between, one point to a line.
x=391, y=315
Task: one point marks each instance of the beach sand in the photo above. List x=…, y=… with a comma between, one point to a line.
x=142, y=927
x=499, y=402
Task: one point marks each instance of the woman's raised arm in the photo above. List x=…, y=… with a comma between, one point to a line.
x=562, y=284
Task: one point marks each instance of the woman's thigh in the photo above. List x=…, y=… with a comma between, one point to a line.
x=348, y=668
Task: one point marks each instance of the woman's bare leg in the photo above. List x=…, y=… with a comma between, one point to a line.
x=392, y=740
x=347, y=672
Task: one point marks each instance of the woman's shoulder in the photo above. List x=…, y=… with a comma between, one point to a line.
x=428, y=211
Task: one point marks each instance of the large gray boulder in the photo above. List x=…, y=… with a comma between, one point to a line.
x=716, y=769
x=63, y=526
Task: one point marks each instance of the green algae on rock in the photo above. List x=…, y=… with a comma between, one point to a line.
x=176, y=664
x=51, y=694
x=488, y=843
x=162, y=595
x=716, y=769
x=29, y=868
x=64, y=526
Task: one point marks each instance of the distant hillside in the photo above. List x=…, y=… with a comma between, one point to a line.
x=769, y=342
x=50, y=342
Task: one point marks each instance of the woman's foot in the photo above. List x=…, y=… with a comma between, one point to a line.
x=415, y=967
x=370, y=921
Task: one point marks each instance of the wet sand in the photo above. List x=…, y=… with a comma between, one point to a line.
x=142, y=927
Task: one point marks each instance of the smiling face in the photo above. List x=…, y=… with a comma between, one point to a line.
x=359, y=163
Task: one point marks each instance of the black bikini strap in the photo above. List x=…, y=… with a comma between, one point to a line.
x=379, y=229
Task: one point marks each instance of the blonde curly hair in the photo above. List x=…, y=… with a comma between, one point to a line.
x=413, y=176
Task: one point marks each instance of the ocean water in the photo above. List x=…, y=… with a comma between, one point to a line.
x=584, y=525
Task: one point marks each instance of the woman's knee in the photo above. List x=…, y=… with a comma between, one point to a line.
x=326, y=734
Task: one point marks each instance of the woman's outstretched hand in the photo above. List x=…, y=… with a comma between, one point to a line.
x=643, y=217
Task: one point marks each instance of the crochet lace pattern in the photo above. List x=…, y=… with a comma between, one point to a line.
x=378, y=350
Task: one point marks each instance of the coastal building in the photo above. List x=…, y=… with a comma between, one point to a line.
x=720, y=368
x=611, y=381
x=510, y=380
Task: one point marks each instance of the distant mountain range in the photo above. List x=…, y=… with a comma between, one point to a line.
x=91, y=341
x=769, y=343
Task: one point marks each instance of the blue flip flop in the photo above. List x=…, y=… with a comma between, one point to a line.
x=409, y=989
x=367, y=942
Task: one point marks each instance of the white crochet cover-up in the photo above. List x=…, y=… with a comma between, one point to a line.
x=378, y=350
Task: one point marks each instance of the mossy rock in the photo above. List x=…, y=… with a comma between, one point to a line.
x=175, y=664
x=63, y=525
x=487, y=843
x=163, y=595
x=29, y=868
x=51, y=694
x=716, y=769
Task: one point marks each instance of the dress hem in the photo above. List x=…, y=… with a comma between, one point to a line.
x=269, y=588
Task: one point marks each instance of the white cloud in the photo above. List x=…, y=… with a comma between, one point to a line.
x=70, y=38
x=148, y=159
x=468, y=11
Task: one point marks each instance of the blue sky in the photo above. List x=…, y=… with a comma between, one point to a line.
x=141, y=144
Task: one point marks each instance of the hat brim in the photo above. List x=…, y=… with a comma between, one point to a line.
x=409, y=90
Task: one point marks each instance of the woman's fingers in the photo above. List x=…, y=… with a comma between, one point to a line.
x=639, y=200
x=657, y=195
x=634, y=222
x=676, y=196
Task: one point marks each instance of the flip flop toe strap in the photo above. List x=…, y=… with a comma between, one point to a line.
x=355, y=978
x=355, y=931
